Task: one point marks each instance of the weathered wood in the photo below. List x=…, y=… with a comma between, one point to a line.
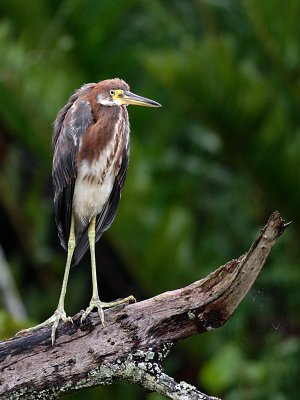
x=135, y=339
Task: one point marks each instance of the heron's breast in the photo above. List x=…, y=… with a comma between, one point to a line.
x=98, y=165
x=92, y=189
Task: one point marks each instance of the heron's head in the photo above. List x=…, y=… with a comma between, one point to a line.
x=115, y=92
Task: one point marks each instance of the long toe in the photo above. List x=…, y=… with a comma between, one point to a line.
x=59, y=315
x=100, y=311
x=100, y=305
x=126, y=300
x=94, y=303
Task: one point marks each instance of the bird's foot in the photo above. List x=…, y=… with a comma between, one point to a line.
x=100, y=305
x=58, y=315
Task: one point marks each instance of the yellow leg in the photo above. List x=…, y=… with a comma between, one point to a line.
x=60, y=313
x=95, y=301
x=71, y=248
x=92, y=236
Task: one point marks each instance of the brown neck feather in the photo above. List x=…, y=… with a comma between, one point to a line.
x=100, y=133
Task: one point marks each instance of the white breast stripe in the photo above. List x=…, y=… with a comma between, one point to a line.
x=90, y=195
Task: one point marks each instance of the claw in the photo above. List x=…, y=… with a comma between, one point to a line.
x=94, y=303
x=58, y=315
x=100, y=305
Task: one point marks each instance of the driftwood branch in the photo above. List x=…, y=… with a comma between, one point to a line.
x=135, y=339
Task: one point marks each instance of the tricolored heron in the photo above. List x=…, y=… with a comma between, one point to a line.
x=90, y=159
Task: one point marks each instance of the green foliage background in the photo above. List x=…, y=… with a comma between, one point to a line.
x=205, y=173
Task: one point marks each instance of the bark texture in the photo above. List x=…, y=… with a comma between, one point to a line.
x=135, y=339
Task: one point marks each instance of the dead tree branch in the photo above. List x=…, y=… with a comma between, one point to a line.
x=135, y=339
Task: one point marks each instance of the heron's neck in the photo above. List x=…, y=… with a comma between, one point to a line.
x=110, y=124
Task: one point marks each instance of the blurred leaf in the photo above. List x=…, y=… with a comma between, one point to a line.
x=223, y=370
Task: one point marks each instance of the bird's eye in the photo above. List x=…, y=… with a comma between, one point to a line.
x=112, y=92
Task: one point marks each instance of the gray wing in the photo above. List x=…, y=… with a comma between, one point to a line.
x=71, y=123
x=106, y=217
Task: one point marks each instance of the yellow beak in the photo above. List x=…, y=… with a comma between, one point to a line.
x=130, y=98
